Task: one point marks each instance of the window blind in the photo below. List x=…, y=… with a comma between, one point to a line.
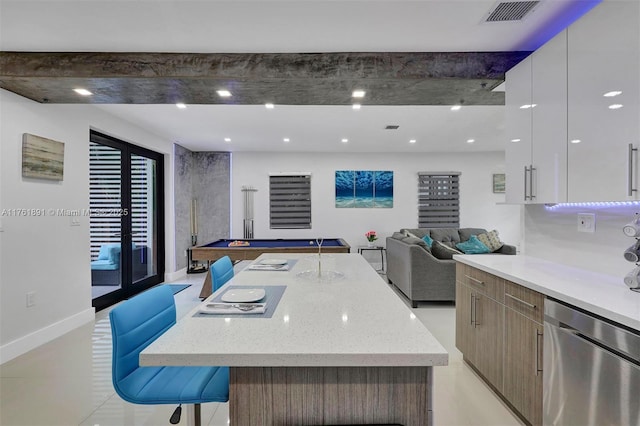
x=438, y=200
x=290, y=201
x=105, y=196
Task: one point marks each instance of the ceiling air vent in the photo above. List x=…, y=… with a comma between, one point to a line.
x=511, y=11
x=391, y=127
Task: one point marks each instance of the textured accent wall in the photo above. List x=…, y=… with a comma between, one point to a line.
x=211, y=187
x=183, y=188
x=206, y=177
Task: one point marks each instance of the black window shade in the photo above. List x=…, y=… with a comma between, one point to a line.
x=290, y=201
x=438, y=200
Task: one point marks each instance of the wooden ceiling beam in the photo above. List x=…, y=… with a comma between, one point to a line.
x=419, y=78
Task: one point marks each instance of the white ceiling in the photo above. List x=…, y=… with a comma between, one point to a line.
x=267, y=26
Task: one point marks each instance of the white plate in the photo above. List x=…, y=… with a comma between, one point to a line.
x=241, y=295
x=273, y=262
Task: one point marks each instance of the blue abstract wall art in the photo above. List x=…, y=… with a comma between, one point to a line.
x=364, y=189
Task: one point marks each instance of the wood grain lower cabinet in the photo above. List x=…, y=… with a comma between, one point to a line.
x=523, y=365
x=479, y=332
x=489, y=323
x=465, y=334
x=502, y=339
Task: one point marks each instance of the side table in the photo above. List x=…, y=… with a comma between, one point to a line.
x=381, y=249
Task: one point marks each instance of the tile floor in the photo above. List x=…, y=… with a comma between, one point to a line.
x=68, y=381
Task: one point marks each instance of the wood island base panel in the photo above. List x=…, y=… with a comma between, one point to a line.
x=300, y=396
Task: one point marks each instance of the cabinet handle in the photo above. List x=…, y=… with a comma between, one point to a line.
x=472, y=304
x=474, y=280
x=630, y=188
x=530, y=305
x=538, y=369
x=475, y=312
x=531, y=170
x=526, y=194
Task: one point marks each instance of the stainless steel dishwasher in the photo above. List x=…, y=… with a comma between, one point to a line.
x=591, y=369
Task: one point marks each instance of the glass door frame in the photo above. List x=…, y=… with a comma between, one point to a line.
x=128, y=288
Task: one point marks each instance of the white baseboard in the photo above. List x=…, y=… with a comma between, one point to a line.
x=172, y=276
x=31, y=341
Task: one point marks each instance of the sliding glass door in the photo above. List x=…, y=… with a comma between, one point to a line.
x=126, y=219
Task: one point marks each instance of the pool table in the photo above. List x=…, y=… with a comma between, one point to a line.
x=251, y=249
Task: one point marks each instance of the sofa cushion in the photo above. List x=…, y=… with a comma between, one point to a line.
x=398, y=236
x=442, y=251
x=448, y=236
x=415, y=232
x=104, y=265
x=473, y=246
x=466, y=233
x=491, y=240
x=417, y=241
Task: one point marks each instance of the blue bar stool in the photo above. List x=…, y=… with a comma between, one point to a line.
x=221, y=272
x=135, y=324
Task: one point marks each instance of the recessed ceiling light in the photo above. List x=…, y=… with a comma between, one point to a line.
x=227, y=139
x=575, y=141
x=269, y=106
x=83, y=92
x=456, y=107
x=181, y=105
x=286, y=139
x=223, y=93
x=356, y=106
x=358, y=93
x=344, y=140
x=615, y=106
x=527, y=106
x=412, y=141
x=471, y=140
x=612, y=93
x=515, y=140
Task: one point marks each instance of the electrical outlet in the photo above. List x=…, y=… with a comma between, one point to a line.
x=586, y=222
x=31, y=299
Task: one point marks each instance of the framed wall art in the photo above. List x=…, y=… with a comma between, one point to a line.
x=499, y=183
x=364, y=189
x=42, y=158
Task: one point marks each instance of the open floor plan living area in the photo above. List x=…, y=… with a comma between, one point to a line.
x=320, y=212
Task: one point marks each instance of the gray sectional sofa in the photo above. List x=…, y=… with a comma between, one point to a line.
x=416, y=272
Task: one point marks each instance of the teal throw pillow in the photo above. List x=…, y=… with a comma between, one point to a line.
x=473, y=246
x=428, y=240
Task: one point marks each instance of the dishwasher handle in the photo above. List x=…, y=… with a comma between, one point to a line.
x=606, y=333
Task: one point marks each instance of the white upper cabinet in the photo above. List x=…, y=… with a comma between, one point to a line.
x=549, y=116
x=604, y=103
x=536, y=114
x=518, y=131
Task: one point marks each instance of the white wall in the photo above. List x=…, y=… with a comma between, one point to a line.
x=552, y=234
x=44, y=254
x=479, y=206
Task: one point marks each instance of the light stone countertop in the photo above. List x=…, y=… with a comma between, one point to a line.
x=356, y=321
x=604, y=295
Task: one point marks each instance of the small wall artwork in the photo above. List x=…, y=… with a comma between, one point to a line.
x=499, y=183
x=42, y=158
x=364, y=189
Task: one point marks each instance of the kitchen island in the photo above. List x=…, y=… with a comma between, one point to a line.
x=344, y=350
